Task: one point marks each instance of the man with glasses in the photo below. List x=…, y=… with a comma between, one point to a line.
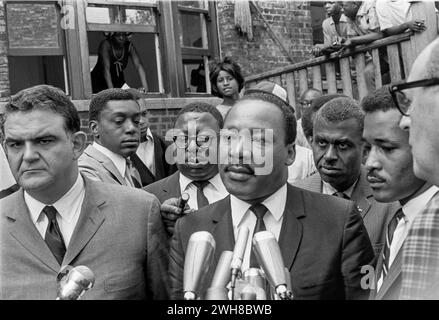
x=195, y=137
x=418, y=102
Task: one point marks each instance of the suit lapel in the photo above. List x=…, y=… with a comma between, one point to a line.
x=292, y=229
x=361, y=194
x=25, y=232
x=172, y=185
x=106, y=163
x=90, y=220
x=223, y=228
x=145, y=174
x=158, y=158
x=392, y=275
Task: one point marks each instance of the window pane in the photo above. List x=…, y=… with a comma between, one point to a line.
x=138, y=16
x=102, y=15
x=194, y=76
x=193, y=4
x=191, y=31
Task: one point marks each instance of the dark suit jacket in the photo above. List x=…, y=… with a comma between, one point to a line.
x=166, y=188
x=391, y=286
x=118, y=236
x=162, y=167
x=323, y=243
x=376, y=215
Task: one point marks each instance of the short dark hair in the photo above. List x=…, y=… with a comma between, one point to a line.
x=99, y=101
x=287, y=112
x=379, y=100
x=201, y=107
x=341, y=109
x=308, y=114
x=230, y=67
x=48, y=98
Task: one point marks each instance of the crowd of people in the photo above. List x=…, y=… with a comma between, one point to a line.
x=350, y=184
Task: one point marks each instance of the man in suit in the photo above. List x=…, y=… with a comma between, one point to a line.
x=322, y=239
x=390, y=173
x=418, y=101
x=149, y=159
x=306, y=99
x=338, y=148
x=196, y=130
x=61, y=218
x=114, y=121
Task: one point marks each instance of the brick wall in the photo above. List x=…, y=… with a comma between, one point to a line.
x=289, y=20
x=4, y=74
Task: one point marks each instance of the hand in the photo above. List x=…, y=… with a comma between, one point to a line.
x=143, y=90
x=416, y=25
x=171, y=212
x=317, y=50
x=346, y=45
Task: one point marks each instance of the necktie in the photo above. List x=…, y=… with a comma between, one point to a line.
x=259, y=211
x=341, y=195
x=201, y=198
x=53, y=236
x=389, y=237
x=132, y=175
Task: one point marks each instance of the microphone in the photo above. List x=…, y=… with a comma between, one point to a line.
x=218, y=290
x=182, y=201
x=248, y=293
x=238, y=255
x=199, y=257
x=256, y=278
x=78, y=280
x=270, y=259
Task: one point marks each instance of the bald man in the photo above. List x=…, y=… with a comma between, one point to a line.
x=418, y=101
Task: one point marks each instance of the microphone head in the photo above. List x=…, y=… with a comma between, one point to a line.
x=75, y=283
x=269, y=256
x=198, y=258
x=239, y=249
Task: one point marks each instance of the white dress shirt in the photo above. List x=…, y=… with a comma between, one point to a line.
x=214, y=191
x=119, y=162
x=68, y=207
x=328, y=189
x=243, y=217
x=145, y=151
x=411, y=210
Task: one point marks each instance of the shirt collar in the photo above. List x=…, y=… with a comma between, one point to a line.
x=274, y=203
x=328, y=189
x=149, y=134
x=215, y=181
x=63, y=205
x=119, y=161
x=414, y=206
x=343, y=18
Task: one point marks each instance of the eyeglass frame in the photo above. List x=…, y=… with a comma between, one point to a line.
x=188, y=138
x=410, y=85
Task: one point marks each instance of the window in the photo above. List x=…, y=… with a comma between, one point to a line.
x=138, y=25
x=197, y=41
x=36, y=45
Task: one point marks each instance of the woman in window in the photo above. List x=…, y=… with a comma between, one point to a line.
x=226, y=82
x=114, y=53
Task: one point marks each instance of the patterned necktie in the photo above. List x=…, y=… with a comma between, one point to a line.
x=53, y=236
x=201, y=198
x=132, y=175
x=393, y=223
x=341, y=195
x=259, y=211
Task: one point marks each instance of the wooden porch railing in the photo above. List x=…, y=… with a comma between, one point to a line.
x=321, y=73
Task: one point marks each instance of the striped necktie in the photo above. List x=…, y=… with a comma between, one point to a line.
x=132, y=175
x=389, y=237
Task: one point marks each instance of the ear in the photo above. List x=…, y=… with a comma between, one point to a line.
x=79, y=140
x=291, y=154
x=94, y=128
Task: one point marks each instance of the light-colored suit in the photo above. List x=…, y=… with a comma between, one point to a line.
x=119, y=236
x=98, y=167
x=375, y=215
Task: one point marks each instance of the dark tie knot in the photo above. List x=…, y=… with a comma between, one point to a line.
x=259, y=210
x=201, y=184
x=399, y=215
x=341, y=195
x=50, y=212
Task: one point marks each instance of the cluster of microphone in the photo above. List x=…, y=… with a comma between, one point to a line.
x=271, y=282
x=73, y=282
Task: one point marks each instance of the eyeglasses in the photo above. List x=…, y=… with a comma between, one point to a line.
x=401, y=101
x=202, y=140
